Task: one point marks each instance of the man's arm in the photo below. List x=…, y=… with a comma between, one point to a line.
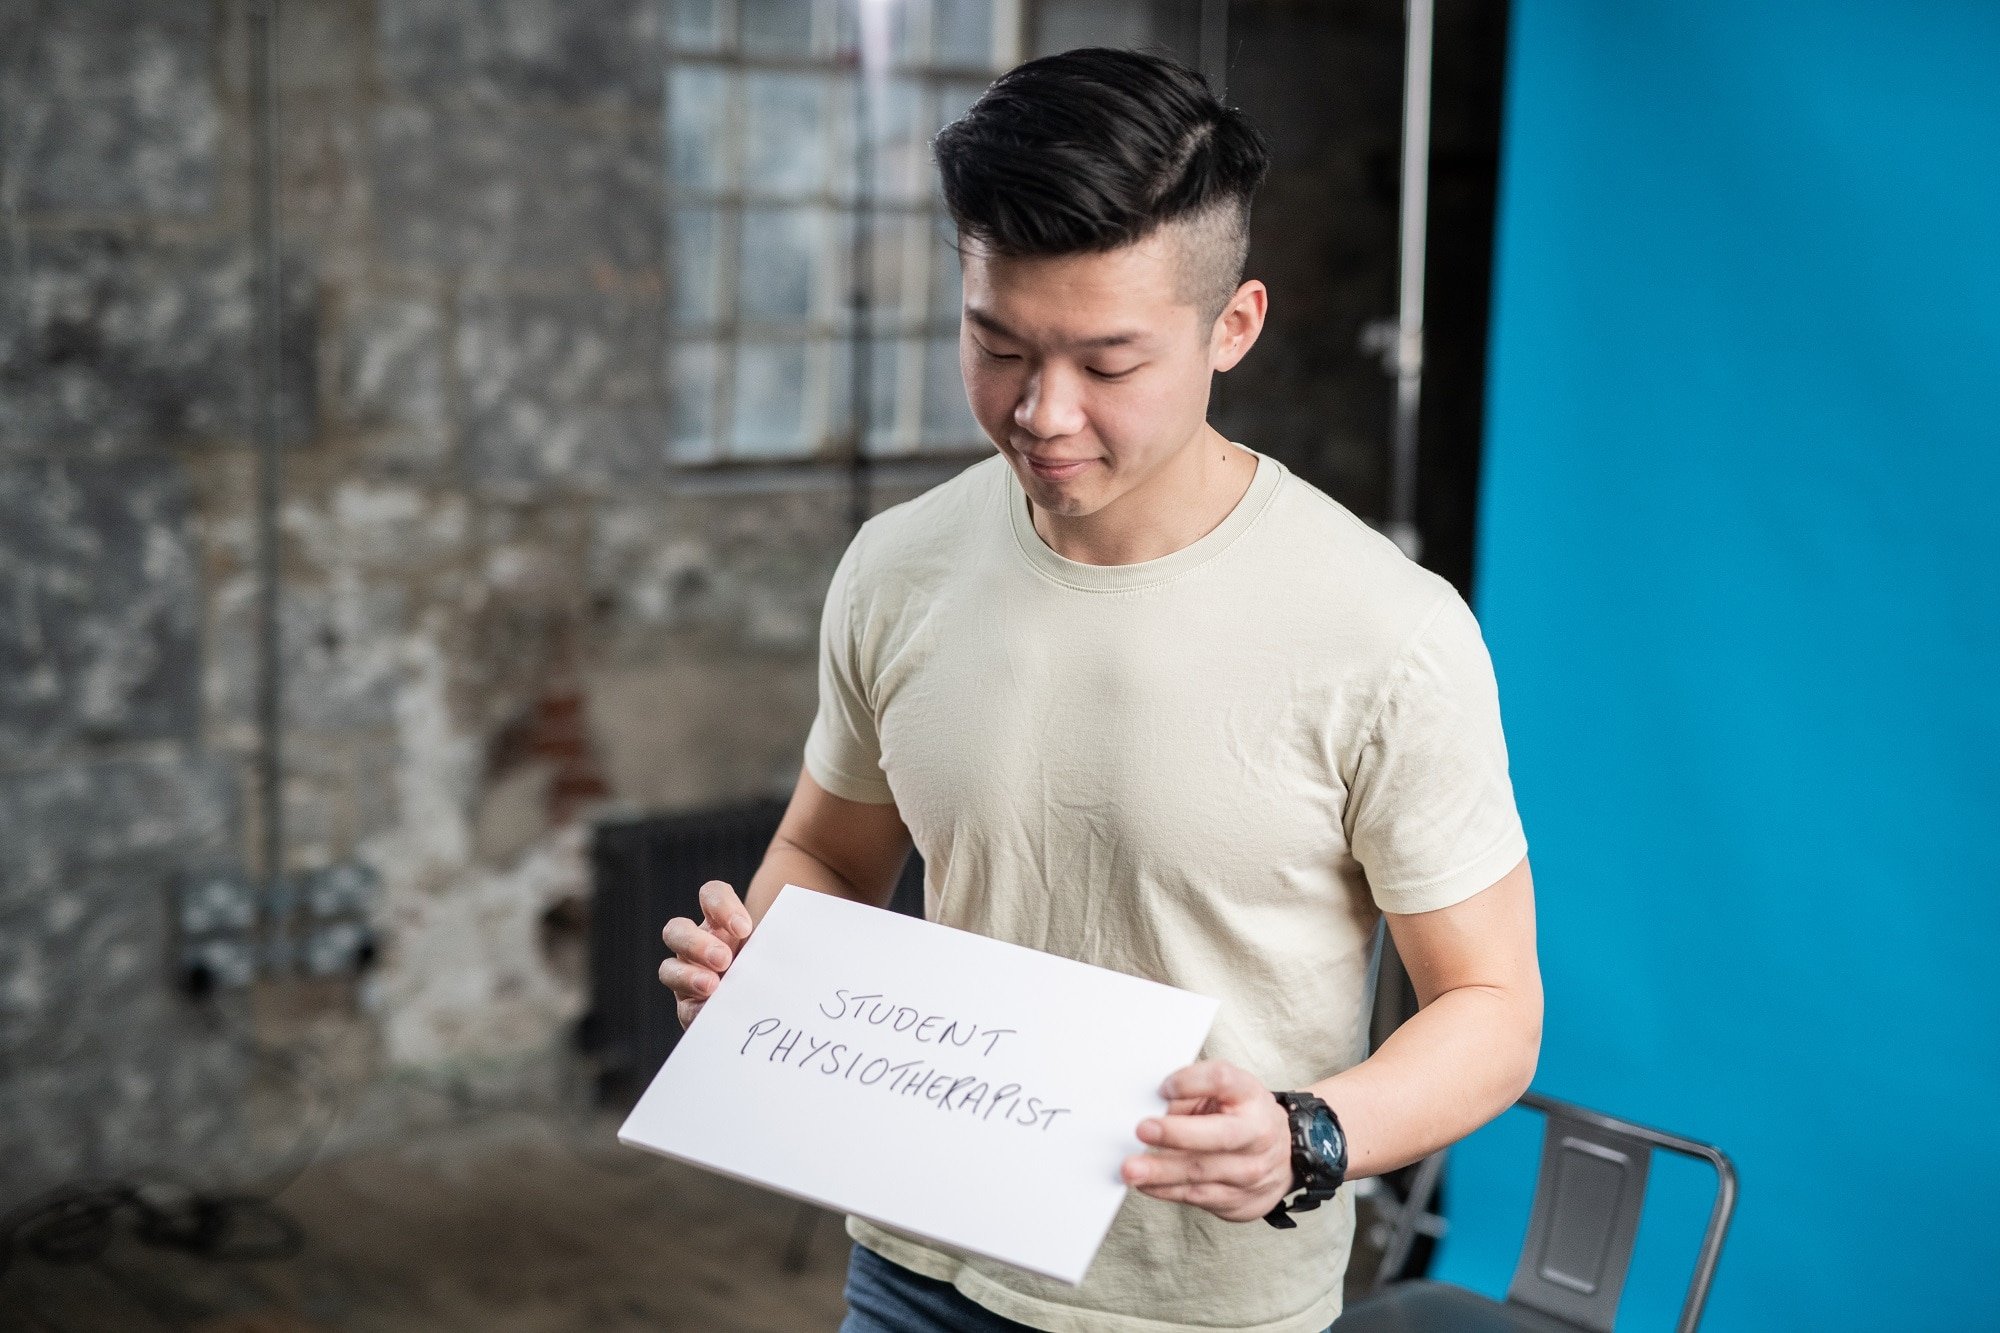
x=1469, y=1051
x=1466, y=1055
x=849, y=849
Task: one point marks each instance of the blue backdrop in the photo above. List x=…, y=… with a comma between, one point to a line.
x=1737, y=568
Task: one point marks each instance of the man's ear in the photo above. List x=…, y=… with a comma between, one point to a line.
x=1236, y=328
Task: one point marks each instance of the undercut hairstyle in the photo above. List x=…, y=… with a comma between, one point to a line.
x=1094, y=149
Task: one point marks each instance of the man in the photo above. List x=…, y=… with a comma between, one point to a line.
x=1146, y=700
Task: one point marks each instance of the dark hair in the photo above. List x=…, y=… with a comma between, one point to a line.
x=1094, y=149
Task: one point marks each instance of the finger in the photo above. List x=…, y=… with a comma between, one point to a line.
x=1220, y=1199
x=1212, y=1078
x=685, y=1010
x=1201, y=1133
x=696, y=945
x=688, y=981
x=724, y=914
x=1225, y=1201
x=1178, y=1168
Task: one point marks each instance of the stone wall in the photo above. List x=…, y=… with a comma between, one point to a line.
x=503, y=612
x=500, y=615
x=125, y=292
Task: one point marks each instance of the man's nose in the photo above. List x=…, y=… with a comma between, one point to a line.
x=1051, y=406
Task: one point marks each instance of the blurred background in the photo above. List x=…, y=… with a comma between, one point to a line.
x=427, y=430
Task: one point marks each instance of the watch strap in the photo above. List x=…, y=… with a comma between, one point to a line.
x=1314, y=1179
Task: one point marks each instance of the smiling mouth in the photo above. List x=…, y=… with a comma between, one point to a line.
x=1057, y=469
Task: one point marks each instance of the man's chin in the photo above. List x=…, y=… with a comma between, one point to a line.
x=1062, y=498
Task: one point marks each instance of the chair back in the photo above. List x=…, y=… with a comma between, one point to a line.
x=1585, y=1219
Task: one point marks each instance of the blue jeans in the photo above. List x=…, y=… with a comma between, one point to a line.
x=888, y=1298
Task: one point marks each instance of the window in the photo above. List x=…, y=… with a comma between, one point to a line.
x=765, y=137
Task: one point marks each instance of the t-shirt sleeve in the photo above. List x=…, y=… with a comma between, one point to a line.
x=1430, y=814
x=843, y=749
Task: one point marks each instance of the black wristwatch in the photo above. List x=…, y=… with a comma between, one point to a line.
x=1319, y=1156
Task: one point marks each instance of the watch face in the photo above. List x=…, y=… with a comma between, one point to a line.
x=1322, y=1138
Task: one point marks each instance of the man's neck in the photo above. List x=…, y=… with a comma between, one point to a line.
x=1172, y=509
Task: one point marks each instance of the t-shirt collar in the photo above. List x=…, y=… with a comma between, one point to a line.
x=1147, y=573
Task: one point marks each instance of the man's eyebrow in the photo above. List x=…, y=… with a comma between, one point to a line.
x=992, y=325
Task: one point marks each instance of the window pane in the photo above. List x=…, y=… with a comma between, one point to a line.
x=884, y=374
x=697, y=110
x=908, y=22
x=776, y=274
x=881, y=371
x=696, y=266
x=846, y=28
x=770, y=400
x=947, y=420
x=774, y=282
x=842, y=107
x=901, y=141
x=947, y=291
x=954, y=98
x=694, y=25
x=962, y=33
x=1074, y=23
x=833, y=268
x=691, y=372
x=777, y=27
x=888, y=281
x=784, y=138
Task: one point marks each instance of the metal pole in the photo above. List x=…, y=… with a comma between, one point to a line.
x=1406, y=359
x=871, y=74
x=263, y=16
x=1409, y=352
x=861, y=365
x=1403, y=356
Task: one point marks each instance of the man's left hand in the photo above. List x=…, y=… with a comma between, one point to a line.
x=1225, y=1144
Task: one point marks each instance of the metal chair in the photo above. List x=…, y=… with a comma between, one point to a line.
x=1581, y=1232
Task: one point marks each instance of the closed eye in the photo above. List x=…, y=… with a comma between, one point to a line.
x=1113, y=375
x=992, y=355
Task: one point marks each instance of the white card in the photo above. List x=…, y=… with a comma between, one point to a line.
x=939, y=1082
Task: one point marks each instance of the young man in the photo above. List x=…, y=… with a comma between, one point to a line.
x=1146, y=700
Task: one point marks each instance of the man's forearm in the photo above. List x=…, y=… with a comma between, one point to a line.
x=1460, y=1061
x=787, y=863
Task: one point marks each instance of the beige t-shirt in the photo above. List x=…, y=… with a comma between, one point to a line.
x=1215, y=769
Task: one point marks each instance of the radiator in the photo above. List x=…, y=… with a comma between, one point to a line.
x=648, y=871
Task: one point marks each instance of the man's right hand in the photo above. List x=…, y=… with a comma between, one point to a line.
x=702, y=953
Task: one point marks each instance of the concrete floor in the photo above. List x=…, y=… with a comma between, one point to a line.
x=511, y=1225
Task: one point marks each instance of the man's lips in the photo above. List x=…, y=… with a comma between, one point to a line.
x=1057, y=469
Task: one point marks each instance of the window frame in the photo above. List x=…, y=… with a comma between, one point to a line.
x=917, y=334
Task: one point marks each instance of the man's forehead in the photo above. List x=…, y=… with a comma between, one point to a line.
x=1070, y=333
x=1106, y=299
